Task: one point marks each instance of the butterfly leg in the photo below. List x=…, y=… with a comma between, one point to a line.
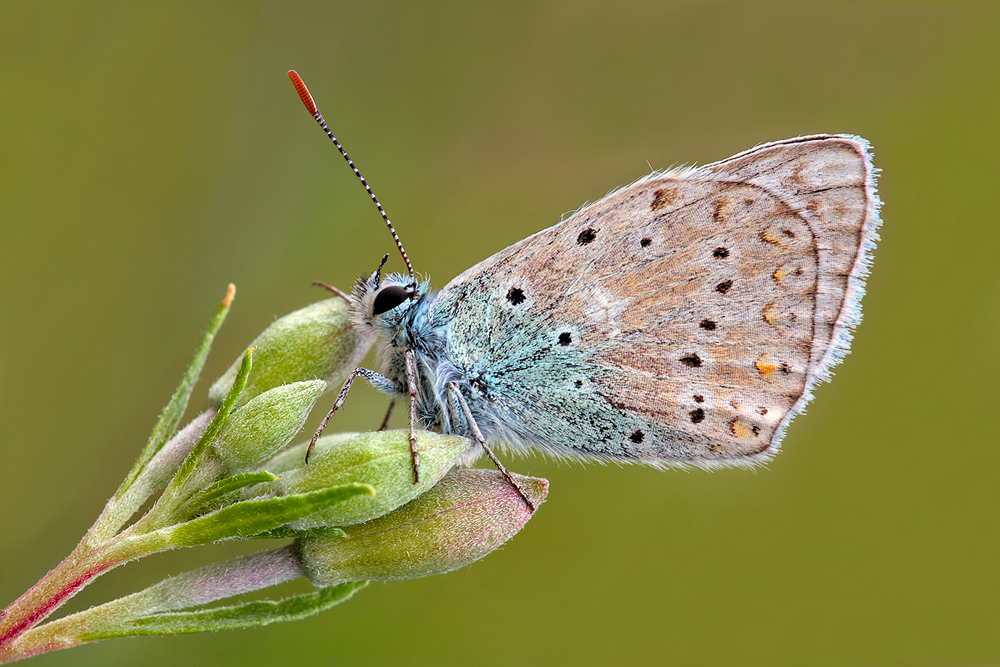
x=378, y=381
x=388, y=415
x=481, y=441
x=333, y=289
x=470, y=455
x=411, y=380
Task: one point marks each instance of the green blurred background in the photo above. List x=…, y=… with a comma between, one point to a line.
x=150, y=153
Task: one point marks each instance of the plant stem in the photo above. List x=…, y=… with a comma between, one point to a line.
x=92, y=556
x=82, y=566
x=198, y=587
x=63, y=582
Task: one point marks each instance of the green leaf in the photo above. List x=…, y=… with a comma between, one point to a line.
x=217, y=423
x=251, y=517
x=166, y=425
x=246, y=615
x=226, y=486
x=283, y=532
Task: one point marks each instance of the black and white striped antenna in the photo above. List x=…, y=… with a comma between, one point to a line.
x=307, y=99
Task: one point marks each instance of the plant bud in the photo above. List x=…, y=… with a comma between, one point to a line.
x=465, y=516
x=381, y=459
x=315, y=342
x=265, y=425
x=294, y=456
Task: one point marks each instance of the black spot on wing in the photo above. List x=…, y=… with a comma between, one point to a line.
x=691, y=360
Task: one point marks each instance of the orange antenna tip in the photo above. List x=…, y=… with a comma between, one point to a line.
x=300, y=88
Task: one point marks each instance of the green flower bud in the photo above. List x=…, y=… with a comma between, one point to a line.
x=265, y=425
x=315, y=342
x=294, y=457
x=465, y=516
x=381, y=459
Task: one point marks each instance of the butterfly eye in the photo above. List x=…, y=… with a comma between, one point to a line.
x=388, y=298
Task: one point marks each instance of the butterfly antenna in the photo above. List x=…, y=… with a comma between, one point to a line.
x=307, y=99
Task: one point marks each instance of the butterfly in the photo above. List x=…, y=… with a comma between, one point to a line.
x=683, y=320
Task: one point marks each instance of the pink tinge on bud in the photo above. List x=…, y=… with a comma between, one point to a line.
x=468, y=514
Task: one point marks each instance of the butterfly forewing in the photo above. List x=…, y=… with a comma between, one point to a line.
x=673, y=322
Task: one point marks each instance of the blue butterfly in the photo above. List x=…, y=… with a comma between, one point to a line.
x=683, y=320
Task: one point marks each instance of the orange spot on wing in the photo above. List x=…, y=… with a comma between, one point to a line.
x=779, y=321
x=767, y=236
x=770, y=313
x=741, y=429
x=765, y=366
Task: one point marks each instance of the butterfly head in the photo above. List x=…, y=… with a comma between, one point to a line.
x=383, y=302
